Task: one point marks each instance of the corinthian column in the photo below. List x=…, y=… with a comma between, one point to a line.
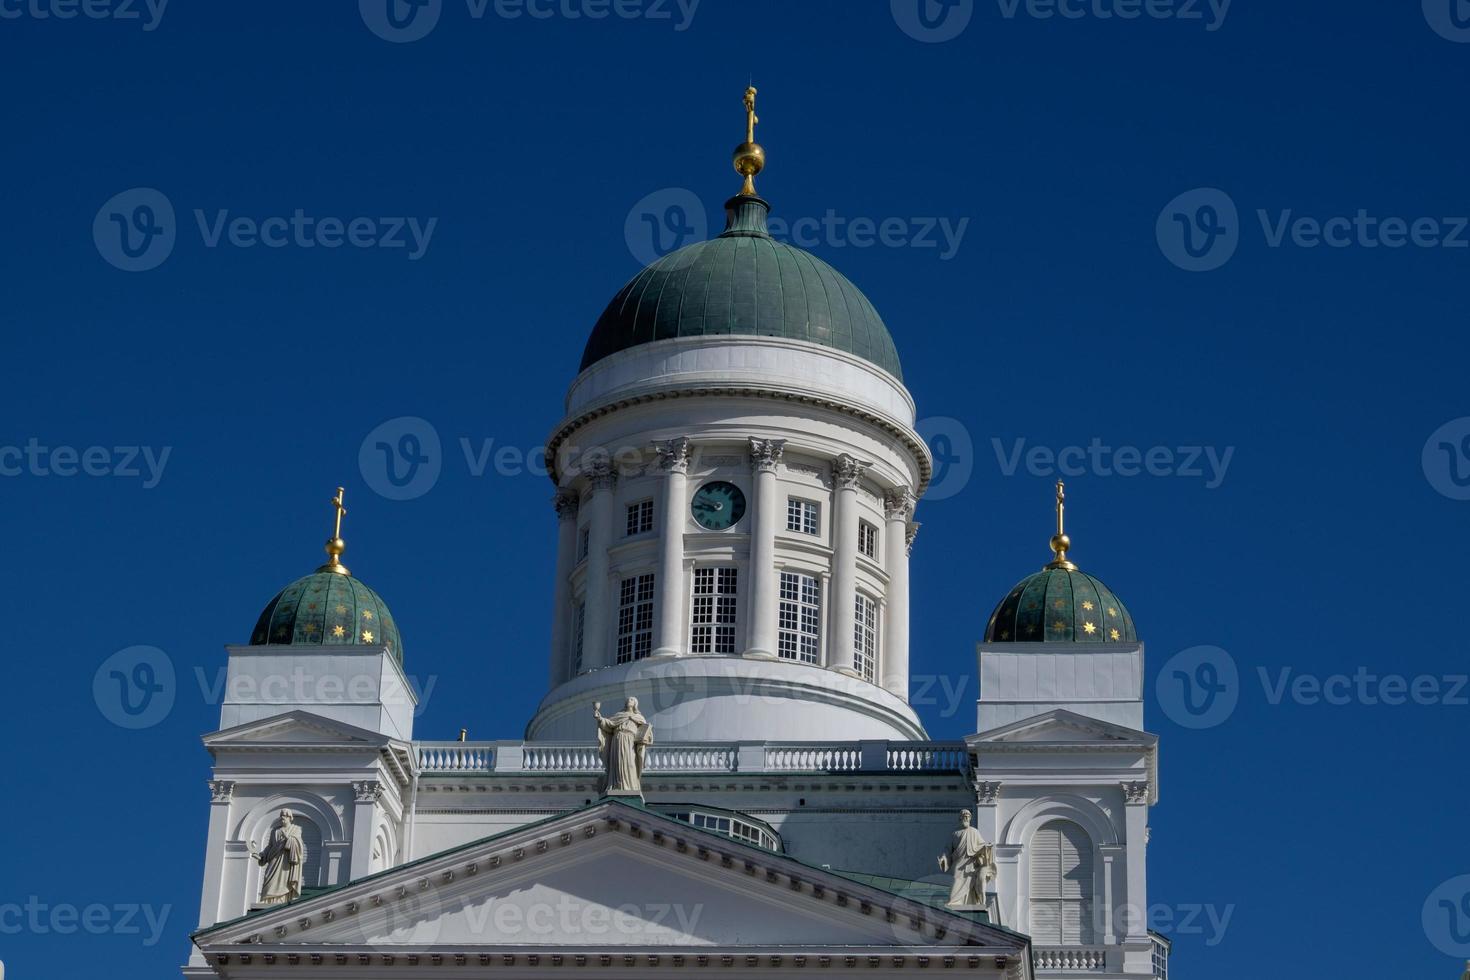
x=598, y=622
x=673, y=459
x=765, y=458
x=561, y=602
x=898, y=506
x=846, y=473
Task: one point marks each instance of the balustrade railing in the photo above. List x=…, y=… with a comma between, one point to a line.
x=697, y=757
x=1077, y=959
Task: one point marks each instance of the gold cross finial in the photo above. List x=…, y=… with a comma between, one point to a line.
x=1060, y=543
x=335, y=544
x=750, y=156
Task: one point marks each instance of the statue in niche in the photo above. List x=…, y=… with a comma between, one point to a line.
x=972, y=861
x=283, y=858
x=621, y=741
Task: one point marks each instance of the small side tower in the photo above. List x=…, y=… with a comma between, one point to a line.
x=1065, y=773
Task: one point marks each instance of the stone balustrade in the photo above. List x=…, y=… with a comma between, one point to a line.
x=698, y=757
x=1072, y=959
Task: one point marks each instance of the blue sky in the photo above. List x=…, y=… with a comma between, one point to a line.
x=1226, y=240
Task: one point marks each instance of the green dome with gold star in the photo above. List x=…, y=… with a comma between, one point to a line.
x=1060, y=603
x=329, y=607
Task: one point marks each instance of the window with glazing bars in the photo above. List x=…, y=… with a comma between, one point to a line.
x=713, y=611
x=635, y=618
x=798, y=631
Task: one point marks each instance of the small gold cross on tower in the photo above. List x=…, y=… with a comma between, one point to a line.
x=750, y=156
x=1060, y=543
x=335, y=544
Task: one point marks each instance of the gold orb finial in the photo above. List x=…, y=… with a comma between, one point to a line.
x=1060, y=543
x=750, y=156
x=335, y=545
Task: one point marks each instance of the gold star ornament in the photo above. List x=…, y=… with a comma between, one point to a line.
x=367, y=636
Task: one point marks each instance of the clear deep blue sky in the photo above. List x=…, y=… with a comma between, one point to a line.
x=1060, y=318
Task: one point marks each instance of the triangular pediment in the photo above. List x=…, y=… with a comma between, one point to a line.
x=1061, y=725
x=294, y=728
x=607, y=876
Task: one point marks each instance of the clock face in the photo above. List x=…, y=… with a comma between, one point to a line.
x=718, y=505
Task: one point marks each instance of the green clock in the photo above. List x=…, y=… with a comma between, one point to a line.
x=718, y=505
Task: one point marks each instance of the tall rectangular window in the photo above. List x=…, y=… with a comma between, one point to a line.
x=713, y=611
x=803, y=516
x=799, y=631
x=640, y=517
x=868, y=540
x=579, y=630
x=865, y=637
x=635, y=618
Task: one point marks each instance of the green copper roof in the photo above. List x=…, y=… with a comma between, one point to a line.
x=1059, y=605
x=327, y=608
x=743, y=283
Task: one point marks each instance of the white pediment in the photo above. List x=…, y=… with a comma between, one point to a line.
x=294, y=728
x=608, y=876
x=1061, y=725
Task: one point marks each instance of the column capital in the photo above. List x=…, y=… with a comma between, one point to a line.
x=565, y=502
x=367, y=791
x=765, y=454
x=847, y=471
x=898, y=504
x=600, y=473
x=221, y=790
x=910, y=532
x=1135, y=793
x=673, y=454
x=986, y=791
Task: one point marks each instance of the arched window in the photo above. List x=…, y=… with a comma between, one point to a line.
x=1061, y=885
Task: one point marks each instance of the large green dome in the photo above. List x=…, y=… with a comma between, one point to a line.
x=743, y=282
x=1060, y=605
x=328, y=608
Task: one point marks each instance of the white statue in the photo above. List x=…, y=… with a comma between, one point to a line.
x=973, y=862
x=283, y=859
x=621, y=740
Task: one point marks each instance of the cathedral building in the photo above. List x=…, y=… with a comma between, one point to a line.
x=725, y=776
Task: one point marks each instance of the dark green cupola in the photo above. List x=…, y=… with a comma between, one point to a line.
x=1060, y=603
x=329, y=607
x=743, y=283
